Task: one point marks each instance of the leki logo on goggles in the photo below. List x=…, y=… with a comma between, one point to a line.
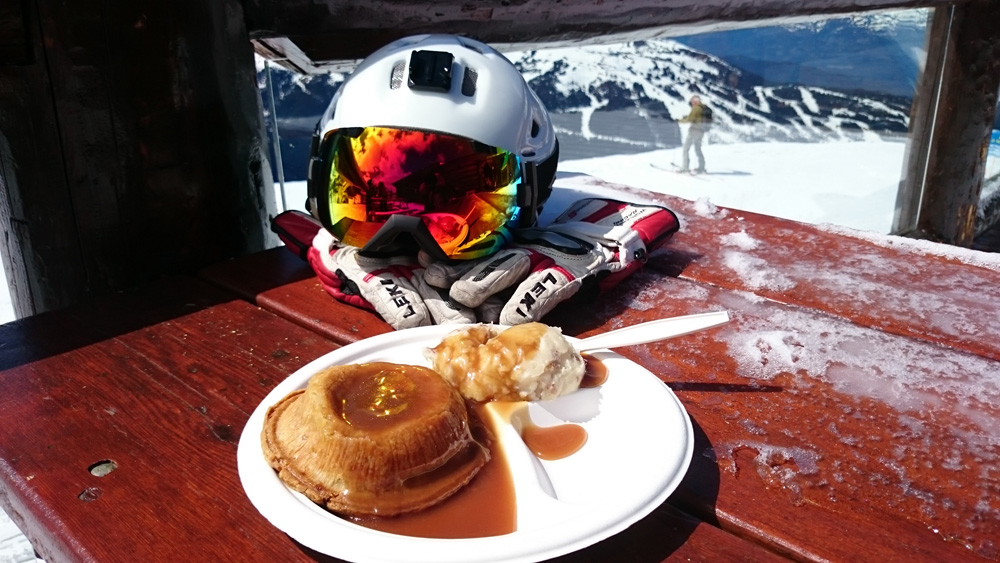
x=454, y=196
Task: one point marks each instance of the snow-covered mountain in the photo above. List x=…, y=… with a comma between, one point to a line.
x=879, y=52
x=653, y=81
x=626, y=98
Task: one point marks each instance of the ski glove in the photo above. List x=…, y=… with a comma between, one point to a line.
x=393, y=287
x=591, y=247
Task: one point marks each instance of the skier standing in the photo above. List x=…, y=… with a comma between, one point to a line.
x=700, y=119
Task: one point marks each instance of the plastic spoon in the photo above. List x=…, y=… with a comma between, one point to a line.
x=653, y=331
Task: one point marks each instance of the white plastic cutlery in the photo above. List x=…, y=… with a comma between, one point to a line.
x=653, y=331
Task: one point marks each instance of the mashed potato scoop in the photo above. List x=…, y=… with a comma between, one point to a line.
x=534, y=361
x=526, y=362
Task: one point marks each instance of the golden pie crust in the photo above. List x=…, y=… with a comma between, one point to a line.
x=375, y=439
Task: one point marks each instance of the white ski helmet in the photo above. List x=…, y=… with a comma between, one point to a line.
x=456, y=86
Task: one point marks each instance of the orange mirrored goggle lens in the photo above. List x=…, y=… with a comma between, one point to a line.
x=463, y=191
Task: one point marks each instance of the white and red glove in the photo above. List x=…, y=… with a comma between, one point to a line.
x=591, y=247
x=393, y=287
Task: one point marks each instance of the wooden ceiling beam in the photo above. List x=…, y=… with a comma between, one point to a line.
x=333, y=34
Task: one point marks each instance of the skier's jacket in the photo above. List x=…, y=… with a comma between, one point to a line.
x=699, y=118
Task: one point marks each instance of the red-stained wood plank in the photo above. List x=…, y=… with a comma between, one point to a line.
x=914, y=288
x=166, y=402
x=282, y=283
x=161, y=383
x=820, y=437
x=846, y=412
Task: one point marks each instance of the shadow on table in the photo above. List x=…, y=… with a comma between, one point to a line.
x=57, y=332
x=590, y=309
x=698, y=492
x=105, y=317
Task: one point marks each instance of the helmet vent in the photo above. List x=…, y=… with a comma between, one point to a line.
x=469, y=45
x=534, y=128
x=396, y=81
x=469, y=82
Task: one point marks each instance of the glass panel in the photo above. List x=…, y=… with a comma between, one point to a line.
x=988, y=214
x=810, y=120
x=293, y=104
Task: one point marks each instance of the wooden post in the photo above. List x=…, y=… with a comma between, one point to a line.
x=951, y=121
x=131, y=146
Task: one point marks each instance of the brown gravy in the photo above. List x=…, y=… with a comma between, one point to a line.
x=554, y=442
x=546, y=442
x=596, y=374
x=487, y=506
x=557, y=442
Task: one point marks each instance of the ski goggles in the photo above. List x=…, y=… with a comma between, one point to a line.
x=382, y=189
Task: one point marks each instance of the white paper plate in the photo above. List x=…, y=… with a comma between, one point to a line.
x=638, y=449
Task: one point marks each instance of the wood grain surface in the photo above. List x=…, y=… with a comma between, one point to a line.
x=160, y=383
x=845, y=413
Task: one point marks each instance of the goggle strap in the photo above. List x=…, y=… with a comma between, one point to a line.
x=314, y=189
x=315, y=160
x=315, y=142
x=527, y=194
x=314, y=169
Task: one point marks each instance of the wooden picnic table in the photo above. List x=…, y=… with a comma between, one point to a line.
x=847, y=412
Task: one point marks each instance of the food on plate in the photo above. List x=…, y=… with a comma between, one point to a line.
x=527, y=362
x=375, y=439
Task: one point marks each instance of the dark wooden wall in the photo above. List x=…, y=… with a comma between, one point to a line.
x=131, y=136
x=130, y=145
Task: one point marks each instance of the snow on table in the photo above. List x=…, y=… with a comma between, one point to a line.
x=859, y=378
